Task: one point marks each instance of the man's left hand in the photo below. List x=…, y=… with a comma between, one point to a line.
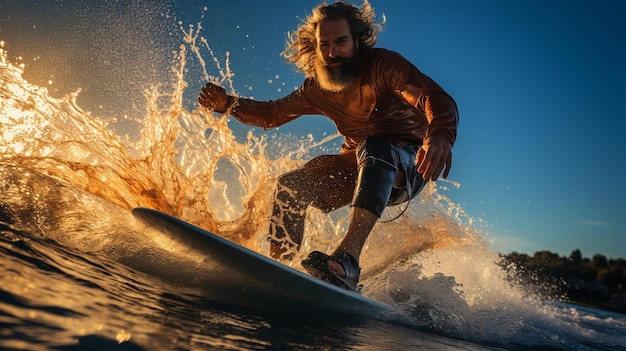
x=434, y=157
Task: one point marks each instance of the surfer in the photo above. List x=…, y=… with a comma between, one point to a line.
x=398, y=125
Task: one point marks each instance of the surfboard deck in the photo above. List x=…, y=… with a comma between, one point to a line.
x=256, y=280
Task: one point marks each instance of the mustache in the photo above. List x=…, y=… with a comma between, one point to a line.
x=335, y=60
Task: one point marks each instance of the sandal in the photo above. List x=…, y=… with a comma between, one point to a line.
x=316, y=264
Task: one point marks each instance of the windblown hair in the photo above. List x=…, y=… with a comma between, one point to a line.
x=302, y=44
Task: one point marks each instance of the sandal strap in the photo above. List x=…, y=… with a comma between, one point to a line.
x=350, y=266
x=317, y=265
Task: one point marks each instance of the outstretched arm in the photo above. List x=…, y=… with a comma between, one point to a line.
x=253, y=113
x=264, y=114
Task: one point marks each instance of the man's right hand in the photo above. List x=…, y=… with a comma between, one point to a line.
x=214, y=98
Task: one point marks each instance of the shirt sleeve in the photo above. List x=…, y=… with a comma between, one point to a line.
x=419, y=90
x=273, y=113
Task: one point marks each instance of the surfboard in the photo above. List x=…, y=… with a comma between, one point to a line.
x=249, y=278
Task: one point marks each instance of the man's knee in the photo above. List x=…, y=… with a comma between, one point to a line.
x=376, y=178
x=375, y=147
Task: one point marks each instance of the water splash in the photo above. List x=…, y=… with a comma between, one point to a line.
x=171, y=167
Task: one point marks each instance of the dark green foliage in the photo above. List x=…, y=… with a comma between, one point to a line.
x=597, y=281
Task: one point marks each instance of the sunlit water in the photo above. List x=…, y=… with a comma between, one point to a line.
x=79, y=272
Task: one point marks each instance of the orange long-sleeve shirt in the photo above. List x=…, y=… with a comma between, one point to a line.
x=391, y=98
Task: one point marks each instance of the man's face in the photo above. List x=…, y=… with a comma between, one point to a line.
x=337, y=64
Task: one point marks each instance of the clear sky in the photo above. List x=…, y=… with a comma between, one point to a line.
x=540, y=85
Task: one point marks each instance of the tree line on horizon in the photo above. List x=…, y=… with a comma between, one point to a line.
x=596, y=280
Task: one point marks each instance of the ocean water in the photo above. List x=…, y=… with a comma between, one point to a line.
x=79, y=272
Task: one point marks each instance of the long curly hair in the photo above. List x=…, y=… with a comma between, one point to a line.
x=302, y=44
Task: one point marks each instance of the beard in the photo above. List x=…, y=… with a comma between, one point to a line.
x=337, y=78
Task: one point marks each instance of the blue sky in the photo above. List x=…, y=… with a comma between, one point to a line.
x=541, y=88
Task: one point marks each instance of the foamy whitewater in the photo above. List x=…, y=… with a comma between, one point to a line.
x=78, y=271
